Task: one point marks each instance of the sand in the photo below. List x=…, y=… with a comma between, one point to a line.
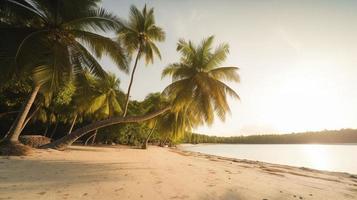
x=161, y=173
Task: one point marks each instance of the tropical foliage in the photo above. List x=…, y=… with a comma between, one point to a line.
x=198, y=89
x=53, y=40
x=51, y=47
x=320, y=137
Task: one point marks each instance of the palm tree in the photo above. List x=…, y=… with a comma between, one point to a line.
x=152, y=102
x=67, y=140
x=196, y=95
x=139, y=35
x=55, y=40
x=102, y=100
x=198, y=85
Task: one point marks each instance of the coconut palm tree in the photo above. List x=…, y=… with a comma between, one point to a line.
x=54, y=40
x=198, y=86
x=102, y=101
x=139, y=35
x=67, y=140
x=152, y=102
x=196, y=95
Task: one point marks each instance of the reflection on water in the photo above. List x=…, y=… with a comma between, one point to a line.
x=317, y=156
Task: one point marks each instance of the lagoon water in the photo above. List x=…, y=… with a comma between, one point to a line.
x=336, y=157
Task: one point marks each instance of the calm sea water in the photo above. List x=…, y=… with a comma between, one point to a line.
x=339, y=157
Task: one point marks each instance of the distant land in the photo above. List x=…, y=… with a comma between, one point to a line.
x=320, y=137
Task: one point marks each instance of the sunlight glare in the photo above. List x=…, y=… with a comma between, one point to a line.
x=318, y=156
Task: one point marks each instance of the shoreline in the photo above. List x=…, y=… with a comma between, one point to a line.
x=248, y=161
x=120, y=172
x=269, y=144
x=183, y=146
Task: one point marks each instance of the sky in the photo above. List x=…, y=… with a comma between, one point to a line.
x=297, y=59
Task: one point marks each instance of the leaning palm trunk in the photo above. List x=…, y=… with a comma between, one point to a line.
x=89, y=138
x=54, y=130
x=131, y=83
x=162, y=143
x=45, y=134
x=145, y=144
x=67, y=140
x=30, y=117
x=73, y=123
x=15, y=131
x=94, y=136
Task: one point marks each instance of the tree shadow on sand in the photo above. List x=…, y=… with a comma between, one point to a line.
x=32, y=174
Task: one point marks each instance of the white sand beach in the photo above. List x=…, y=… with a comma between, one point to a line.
x=119, y=172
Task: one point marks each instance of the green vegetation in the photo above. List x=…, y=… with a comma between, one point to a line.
x=53, y=85
x=323, y=137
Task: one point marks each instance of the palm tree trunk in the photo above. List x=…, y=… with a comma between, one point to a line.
x=87, y=140
x=45, y=134
x=15, y=131
x=67, y=140
x=94, y=136
x=30, y=117
x=131, y=83
x=162, y=143
x=145, y=144
x=74, y=121
x=54, y=130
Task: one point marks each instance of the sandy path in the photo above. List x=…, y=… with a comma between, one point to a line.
x=159, y=173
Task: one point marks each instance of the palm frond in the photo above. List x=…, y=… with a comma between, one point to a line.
x=225, y=73
x=102, y=45
x=96, y=20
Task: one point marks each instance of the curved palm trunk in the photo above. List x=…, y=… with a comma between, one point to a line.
x=45, y=134
x=145, y=144
x=30, y=117
x=94, y=136
x=15, y=131
x=54, y=130
x=67, y=140
x=131, y=83
x=74, y=122
x=162, y=143
x=87, y=140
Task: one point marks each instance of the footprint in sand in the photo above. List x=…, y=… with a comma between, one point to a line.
x=180, y=197
x=118, y=189
x=211, y=172
x=41, y=193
